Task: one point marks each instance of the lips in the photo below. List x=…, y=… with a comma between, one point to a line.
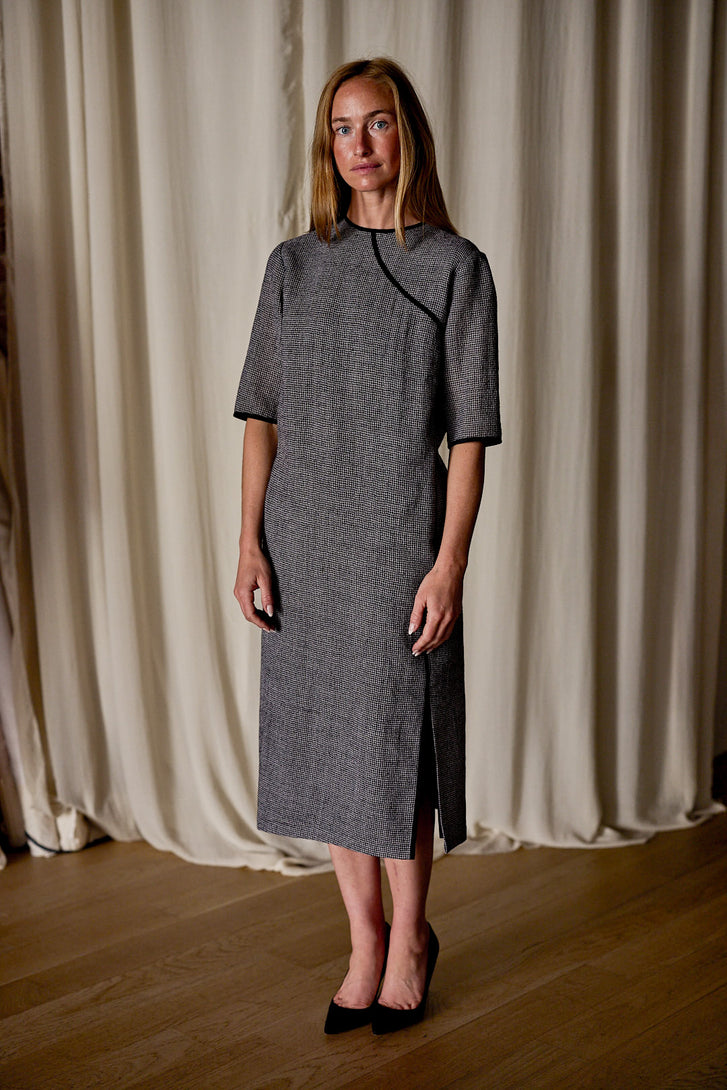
x=367, y=167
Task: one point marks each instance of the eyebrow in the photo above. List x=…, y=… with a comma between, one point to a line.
x=372, y=113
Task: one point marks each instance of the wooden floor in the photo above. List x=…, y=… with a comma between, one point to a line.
x=123, y=966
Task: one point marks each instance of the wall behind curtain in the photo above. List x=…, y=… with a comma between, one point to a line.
x=155, y=153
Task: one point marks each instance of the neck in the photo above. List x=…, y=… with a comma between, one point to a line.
x=375, y=211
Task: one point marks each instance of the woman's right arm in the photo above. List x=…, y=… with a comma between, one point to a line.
x=253, y=570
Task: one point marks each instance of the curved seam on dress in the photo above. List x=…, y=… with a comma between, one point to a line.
x=397, y=285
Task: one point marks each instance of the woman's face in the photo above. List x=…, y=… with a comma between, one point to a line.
x=365, y=135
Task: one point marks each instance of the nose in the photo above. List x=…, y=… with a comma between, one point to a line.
x=363, y=142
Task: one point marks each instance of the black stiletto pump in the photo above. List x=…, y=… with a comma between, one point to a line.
x=341, y=1019
x=390, y=1019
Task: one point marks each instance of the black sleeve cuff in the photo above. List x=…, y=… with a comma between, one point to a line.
x=488, y=440
x=244, y=416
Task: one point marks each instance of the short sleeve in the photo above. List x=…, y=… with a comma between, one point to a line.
x=472, y=399
x=259, y=388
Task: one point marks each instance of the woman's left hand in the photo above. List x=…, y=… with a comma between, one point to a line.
x=440, y=593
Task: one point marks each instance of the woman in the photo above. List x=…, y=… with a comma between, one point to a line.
x=375, y=335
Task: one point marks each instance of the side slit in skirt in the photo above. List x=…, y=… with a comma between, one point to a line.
x=427, y=773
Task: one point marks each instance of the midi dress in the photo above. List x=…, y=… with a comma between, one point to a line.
x=365, y=354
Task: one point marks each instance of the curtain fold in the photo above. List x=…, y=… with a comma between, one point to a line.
x=156, y=151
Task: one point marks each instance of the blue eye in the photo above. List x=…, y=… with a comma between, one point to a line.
x=380, y=122
x=341, y=130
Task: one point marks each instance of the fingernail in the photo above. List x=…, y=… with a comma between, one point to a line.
x=415, y=653
x=269, y=610
x=411, y=629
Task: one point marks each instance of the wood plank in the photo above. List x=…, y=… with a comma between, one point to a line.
x=651, y=1058
x=644, y=1009
x=709, y=1070
x=557, y=967
x=72, y=951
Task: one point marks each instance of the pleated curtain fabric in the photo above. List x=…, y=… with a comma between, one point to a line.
x=154, y=154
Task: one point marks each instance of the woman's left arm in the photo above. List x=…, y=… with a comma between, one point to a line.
x=440, y=591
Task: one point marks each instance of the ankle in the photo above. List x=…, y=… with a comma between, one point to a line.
x=413, y=933
x=367, y=934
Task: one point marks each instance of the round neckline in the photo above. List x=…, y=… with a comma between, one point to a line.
x=380, y=230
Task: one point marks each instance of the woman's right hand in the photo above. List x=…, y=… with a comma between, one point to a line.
x=253, y=571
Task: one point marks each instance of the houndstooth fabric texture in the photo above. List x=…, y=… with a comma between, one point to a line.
x=365, y=355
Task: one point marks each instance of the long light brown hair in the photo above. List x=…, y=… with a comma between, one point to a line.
x=418, y=191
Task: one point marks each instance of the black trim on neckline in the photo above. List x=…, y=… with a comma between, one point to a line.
x=397, y=285
x=380, y=230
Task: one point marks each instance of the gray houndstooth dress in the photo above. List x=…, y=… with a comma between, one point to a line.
x=365, y=354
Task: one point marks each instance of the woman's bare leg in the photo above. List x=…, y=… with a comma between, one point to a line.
x=406, y=966
x=359, y=879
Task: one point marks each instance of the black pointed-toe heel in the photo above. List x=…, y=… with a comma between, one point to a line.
x=341, y=1019
x=390, y=1019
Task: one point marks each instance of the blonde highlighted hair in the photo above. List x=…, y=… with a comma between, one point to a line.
x=418, y=191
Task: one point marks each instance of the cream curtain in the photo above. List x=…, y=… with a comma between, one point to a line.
x=155, y=152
